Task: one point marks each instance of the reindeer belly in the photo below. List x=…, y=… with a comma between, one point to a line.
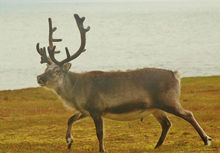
x=128, y=111
x=127, y=105
x=127, y=116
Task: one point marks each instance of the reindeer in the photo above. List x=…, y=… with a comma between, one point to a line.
x=123, y=96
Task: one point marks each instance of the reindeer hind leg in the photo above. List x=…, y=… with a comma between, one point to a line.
x=178, y=110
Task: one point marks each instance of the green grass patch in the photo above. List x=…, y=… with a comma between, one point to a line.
x=34, y=120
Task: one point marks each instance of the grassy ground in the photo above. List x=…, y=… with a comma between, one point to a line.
x=34, y=120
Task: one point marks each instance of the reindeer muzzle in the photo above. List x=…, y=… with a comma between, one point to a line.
x=41, y=80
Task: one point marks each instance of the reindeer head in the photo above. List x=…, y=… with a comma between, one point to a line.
x=56, y=70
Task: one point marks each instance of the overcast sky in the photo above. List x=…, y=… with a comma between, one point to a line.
x=67, y=0
x=36, y=1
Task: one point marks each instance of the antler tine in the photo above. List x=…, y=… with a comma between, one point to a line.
x=43, y=54
x=42, y=51
x=83, y=31
x=79, y=22
x=51, y=39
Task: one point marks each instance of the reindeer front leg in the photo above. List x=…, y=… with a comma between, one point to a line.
x=72, y=119
x=99, y=130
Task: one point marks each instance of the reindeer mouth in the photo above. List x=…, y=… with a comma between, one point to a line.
x=42, y=84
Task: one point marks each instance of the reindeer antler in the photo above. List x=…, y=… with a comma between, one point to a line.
x=43, y=54
x=42, y=51
x=51, y=48
x=51, y=39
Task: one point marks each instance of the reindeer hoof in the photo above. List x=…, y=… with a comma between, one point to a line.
x=69, y=145
x=208, y=141
x=69, y=142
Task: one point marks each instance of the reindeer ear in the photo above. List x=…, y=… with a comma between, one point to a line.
x=66, y=67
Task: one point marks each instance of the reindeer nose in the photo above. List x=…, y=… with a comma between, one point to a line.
x=41, y=80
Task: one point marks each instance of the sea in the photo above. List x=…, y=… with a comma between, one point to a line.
x=181, y=35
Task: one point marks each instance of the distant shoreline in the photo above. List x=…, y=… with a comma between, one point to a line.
x=192, y=77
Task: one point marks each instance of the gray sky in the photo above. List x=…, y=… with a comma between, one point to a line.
x=67, y=0
x=37, y=1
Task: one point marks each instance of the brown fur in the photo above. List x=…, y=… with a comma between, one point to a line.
x=120, y=95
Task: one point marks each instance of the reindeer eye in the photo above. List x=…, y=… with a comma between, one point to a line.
x=57, y=71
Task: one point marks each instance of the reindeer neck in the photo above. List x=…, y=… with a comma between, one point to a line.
x=67, y=83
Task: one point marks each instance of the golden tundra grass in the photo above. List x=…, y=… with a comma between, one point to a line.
x=34, y=120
